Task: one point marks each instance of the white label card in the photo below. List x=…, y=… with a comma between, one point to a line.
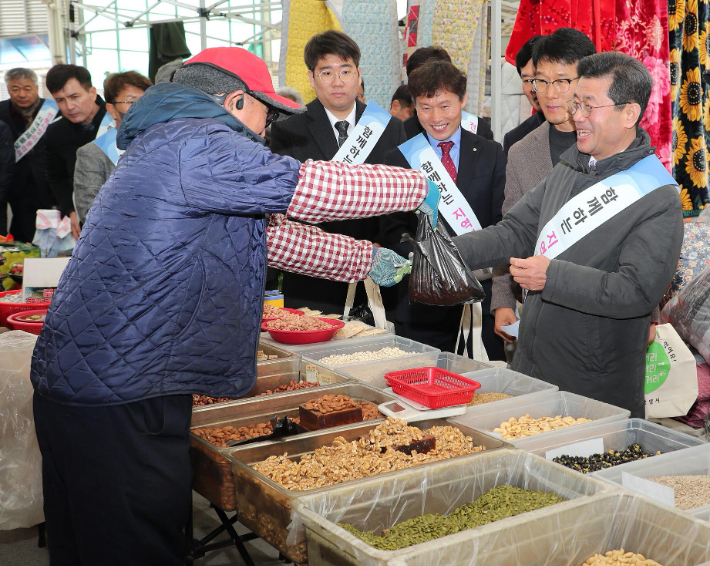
x=41, y=273
x=583, y=449
x=659, y=492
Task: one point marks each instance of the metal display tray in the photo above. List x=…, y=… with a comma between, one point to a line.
x=212, y=476
x=265, y=507
x=286, y=362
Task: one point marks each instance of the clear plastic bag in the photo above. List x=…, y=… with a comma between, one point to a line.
x=689, y=313
x=439, y=275
x=596, y=519
x=20, y=460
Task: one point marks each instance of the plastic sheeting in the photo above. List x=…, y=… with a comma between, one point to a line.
x=595, y=520
x=20, y=459
x=689, y=313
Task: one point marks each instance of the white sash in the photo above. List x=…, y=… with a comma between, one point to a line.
x=364, y=136
x=107, y=142
x=453, y=206
x=594, y=206
x=469, y=122
x=32, y=135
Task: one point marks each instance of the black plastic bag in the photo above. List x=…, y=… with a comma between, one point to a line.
x=439, y=275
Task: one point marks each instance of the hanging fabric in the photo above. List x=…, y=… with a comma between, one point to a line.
x=306, y=18
x=688, y=32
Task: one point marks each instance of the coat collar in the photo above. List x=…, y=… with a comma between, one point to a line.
x=321, y=130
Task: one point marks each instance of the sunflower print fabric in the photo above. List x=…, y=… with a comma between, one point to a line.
x=689, y=31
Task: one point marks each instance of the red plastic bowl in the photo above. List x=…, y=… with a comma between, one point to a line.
x=434, y=387
x=6, y=309
x=18, y=321
x=307, y=336
x=269, y=319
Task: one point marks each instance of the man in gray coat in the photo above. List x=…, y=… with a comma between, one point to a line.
x=93, y=165
x=554, y=60
x=587, y=312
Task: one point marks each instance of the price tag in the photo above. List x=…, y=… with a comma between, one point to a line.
x=661, y=493
x=311, y=373
x=583, y=449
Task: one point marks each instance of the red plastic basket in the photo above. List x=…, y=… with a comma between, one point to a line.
x=433, y=387
x=6, y=309
x=16, y=322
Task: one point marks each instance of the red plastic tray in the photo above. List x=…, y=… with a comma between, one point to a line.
x=307, y=336
x=269, y=319
x=6, y=309
x=16, y=322
x=433, y=387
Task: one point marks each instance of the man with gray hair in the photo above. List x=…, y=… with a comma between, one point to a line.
x=594, y=245
x=27, y=116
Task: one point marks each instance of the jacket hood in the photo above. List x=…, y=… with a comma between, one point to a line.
x=170, y=101
x=580, y=161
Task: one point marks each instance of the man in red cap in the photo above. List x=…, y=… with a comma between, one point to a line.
x=163, y=298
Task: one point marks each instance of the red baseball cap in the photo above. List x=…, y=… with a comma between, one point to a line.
x=248, y=68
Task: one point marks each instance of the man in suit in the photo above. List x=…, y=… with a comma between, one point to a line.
x=413, y=127
x=29, y=189
x=401, y=105
x=83, y=112
x=93, y=166
x=526, y=70
x=555, y=59
x=477, y=166
x=332, y=59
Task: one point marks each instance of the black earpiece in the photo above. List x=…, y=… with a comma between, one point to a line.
x=240, y=103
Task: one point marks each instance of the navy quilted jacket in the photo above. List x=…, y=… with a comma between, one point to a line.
x=163, y=294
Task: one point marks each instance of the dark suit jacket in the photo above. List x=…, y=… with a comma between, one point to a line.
x=412, y=127
x=29, y=188
x=310, y=136
x=522, y=130
x=481, y=180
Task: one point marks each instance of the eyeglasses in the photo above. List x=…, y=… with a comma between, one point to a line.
x=561, y=85
x=346, y=75
x=586, y=109
x=124, y=101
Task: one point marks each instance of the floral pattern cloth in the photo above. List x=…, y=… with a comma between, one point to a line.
x=688, y=26
x=455, y=23
x=694, y=257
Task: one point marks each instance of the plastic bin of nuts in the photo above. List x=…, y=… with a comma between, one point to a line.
x=694, y=461
x=616, y=436
x=566, y=534
x=379, y=504
x=508, y=382
x=550, y=404
x=264, y=506
x=212, y=471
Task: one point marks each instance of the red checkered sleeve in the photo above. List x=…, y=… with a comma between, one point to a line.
x=329, y=190
x=305, y=249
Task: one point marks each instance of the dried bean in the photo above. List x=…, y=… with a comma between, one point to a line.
x=498, y=503
x=366, y=356
x=690, y=491
x=620, y=558
x=513, y=428
x=604, y=460
x=295, y=322
x=489, y=397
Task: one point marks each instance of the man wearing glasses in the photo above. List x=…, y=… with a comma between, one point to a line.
x=601, y=237
x=554, y=61
x=96, y=160
x=332, y=59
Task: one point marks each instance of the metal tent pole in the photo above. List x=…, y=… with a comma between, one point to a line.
x=496, y=71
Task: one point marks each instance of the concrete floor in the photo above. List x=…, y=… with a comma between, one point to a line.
x=19, y=547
